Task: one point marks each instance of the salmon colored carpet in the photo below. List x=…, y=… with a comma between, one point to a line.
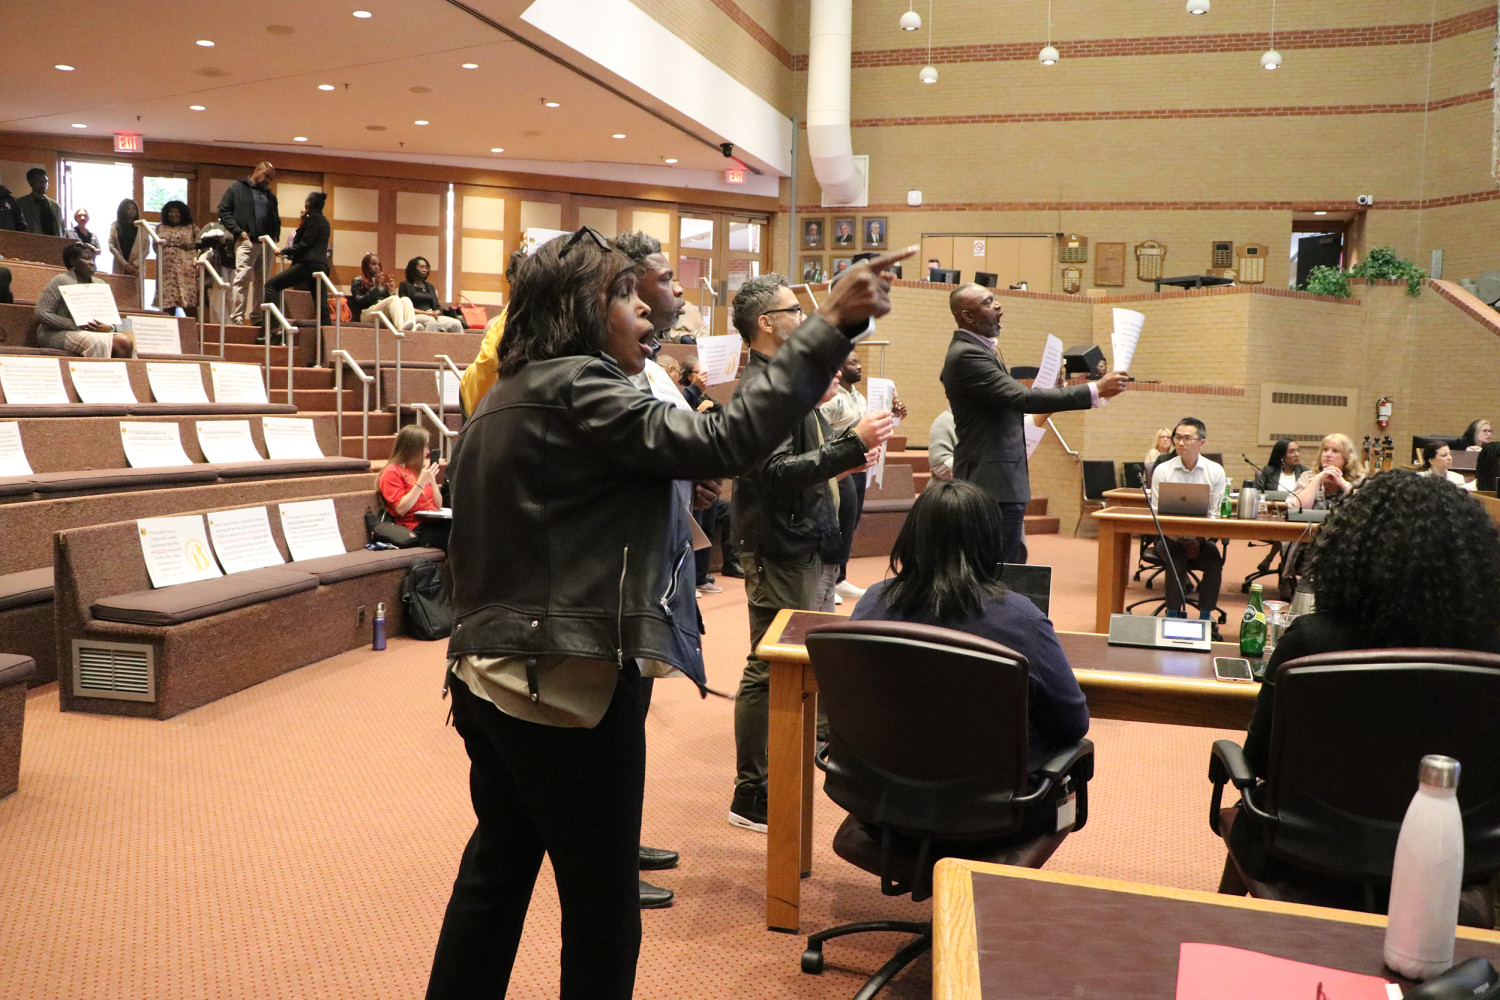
x=299, y=839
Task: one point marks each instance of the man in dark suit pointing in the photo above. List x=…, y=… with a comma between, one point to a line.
x=988, y=407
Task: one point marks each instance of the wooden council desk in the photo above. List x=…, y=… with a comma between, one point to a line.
x=1118, y=525
x=999, y=931
x=1120, y=682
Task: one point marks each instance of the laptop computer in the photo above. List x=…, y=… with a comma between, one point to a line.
x=1033, y=581
x=1182, y=499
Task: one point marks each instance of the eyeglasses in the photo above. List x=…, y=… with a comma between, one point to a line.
x=789, y=309
x=583, y=231
x=1186, y=438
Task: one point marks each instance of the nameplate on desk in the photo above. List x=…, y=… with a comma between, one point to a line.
x=1312, y=515
x=1151, y=632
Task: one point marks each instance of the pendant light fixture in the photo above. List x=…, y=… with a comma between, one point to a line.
x=929, y=72
x=1198, y=6
x=911, y=20
x=1271, y=59
x=1048, y=56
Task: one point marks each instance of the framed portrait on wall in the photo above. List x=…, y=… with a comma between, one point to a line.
x=874, y=232
x=839, y=265
x=812, y=269
x=843, y=231
x=813, y=233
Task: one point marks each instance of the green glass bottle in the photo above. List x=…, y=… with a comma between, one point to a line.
x=1226, y=506
x=1253, y=626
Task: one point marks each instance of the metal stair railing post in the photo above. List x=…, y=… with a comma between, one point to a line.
x=447, y=433
x=270, y=311
x=381, y=319
x=445, y=362
x=140, y=274
x=321, y=278
x=205, y=266
x=340, y=358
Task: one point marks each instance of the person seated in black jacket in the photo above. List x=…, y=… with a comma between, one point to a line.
x=1281, y=473
x=1388, y=576
x=308, y=254
x=427, y=310
x=1487, y=468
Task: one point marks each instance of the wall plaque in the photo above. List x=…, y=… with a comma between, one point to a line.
x=1109, y=264
x=1149, y=255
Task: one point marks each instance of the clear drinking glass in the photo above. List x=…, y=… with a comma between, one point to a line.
x=1277, y=619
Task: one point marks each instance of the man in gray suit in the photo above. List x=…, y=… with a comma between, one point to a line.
x=988, y=406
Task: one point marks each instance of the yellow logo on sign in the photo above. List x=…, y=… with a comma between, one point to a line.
x=197, y=555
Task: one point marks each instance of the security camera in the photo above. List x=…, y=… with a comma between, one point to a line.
x=1366, y=199
x=727, y=148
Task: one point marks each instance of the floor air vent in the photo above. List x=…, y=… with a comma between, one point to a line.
x=119, y=670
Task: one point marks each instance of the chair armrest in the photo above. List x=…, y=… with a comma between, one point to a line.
x=1077, y=760
x=1227, y=763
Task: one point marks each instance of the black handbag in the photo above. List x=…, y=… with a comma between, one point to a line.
x=379, y=527
x=429, y=614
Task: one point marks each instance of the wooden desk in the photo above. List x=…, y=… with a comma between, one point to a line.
x=1118, y=525
x=1010, y=932
x=1120, y=682
x=1124, y=496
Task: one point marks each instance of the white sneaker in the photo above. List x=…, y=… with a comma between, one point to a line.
x=837, y=600
x=846, y=589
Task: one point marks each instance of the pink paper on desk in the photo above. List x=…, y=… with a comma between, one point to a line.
x=1214, y=972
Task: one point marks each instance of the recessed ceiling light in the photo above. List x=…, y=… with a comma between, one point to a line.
x=79, y=125
x=669, y=159
x=470, y=65
x=325, y=86
x=497, y=149
x=551, y=104
x=207, y=43
x=618, y=135
x=421, y=121
x=299, y=138
x=64, y=67
x=196, y=107
x=363, y=13
x=1320, y=213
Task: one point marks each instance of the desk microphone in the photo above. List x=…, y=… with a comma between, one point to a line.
x=1165, y=554
x=1250, y=463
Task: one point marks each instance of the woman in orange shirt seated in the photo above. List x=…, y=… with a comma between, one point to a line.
x=409, y=484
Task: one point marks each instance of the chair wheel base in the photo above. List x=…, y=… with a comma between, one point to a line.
x=812, y=961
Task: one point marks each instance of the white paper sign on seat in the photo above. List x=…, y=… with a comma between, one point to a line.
x=176, y=382
x=101, y=382
x=226, y=441
x=236, y=383
x=32, y=381
x=311, y=529
x=93, y=301
x=720, y=358
x=242, y=539
x=155, y=334
x=176, y=550
x=880, y=394
x=152, y=444
x=290, y=437
x=12, y=455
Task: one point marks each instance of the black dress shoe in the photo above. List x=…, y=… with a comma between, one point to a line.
x=734, y=570
x=655, y=859
x=655, y=898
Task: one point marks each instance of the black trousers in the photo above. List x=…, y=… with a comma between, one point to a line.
x=433, y=533
x=299, y=275
x=851, y=505
x=1013, y=531
x=573, y=795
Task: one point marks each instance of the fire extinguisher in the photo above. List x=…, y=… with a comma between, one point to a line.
x=1383, y=411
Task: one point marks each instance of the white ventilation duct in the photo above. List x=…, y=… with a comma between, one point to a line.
x=830, y=44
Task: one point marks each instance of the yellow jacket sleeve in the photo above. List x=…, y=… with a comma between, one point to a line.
x=480, y=375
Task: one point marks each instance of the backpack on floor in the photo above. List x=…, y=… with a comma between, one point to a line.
x=429, y=615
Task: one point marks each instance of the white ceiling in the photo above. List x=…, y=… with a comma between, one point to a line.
x=138, y=69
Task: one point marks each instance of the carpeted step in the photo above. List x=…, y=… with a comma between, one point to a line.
x=1036, y=524
x=916, y=459
x=1036, y=505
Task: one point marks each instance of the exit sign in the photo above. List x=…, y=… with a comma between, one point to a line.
x=129, y=142
x=732, y=176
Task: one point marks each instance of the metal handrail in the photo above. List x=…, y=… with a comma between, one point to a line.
x=265, y=263
x=447, y=432
x=270, y=311
x=708, y=317
x=321, y=278
x=340, y=358
x=140, y=273
x=1062, y=441
x=381, y=319
x=445, y=362
x=204, y=265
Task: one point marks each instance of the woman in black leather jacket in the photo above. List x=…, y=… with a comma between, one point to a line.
x=573, y=577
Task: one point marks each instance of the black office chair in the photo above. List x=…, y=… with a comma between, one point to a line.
x=1135, y=475
x=1348, y=733
x=927, y=750
x=1098, y=476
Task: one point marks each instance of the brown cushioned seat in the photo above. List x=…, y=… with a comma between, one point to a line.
x=108, y=479
x=290, y=466
x=208, y=409
x=887, y=506
x=12, y=486
x=32, y=586
x=185, y=602
x=13, y=411
x=15, y=669
x=362, y=562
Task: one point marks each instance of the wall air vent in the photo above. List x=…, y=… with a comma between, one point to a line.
x=119, y=670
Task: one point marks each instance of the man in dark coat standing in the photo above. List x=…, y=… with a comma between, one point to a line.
x=988, y=408
x=247, y=212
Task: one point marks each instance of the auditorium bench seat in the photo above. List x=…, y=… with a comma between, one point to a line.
x=884, y=512
x=15, y=671
x=124, y=648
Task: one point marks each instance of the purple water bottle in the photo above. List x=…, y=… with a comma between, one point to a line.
x=379, y=642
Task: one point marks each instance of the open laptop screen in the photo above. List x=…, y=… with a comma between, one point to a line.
x=1033, y=581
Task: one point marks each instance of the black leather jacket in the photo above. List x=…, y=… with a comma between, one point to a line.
x=568, y=536
x=783, y=508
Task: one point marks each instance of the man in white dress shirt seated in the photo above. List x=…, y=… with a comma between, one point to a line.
x=1201, y=554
